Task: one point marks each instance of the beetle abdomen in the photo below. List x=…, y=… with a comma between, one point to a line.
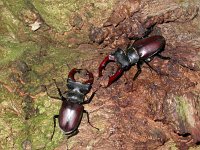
x=70, y=116
x=149, y=46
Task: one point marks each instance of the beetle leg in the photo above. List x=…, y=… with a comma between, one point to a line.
x=54, y=125
x=115, y=76
x=103, y=64
x=75, y=132
x=163, y=57
x=139, y=70
x=89, y=99
x=59, y=91
x=158, y=72
x=54, y=97
x=84, y=111
x=151, y=67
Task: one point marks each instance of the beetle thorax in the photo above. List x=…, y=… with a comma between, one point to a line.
x=75, y=96
x=77, y=91
x=121, y=58
x=132, y=55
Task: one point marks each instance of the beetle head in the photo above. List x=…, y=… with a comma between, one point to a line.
x=121, y=59
x=74, y=85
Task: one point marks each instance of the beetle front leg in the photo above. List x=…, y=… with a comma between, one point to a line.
x=54, y=97
x=54, y=125
x=139, y=70
x=89, y=119
x=89, y=99
x=59, y=91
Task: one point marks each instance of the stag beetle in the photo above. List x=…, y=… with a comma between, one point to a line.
x=141, y=51
x=72, y=108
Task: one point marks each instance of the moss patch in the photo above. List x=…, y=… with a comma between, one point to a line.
x=58, y=13
x=185, y=111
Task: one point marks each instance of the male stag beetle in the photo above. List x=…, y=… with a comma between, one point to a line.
x=72, y=108
x=141, y=51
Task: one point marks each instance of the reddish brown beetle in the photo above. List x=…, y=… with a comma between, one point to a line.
x=142, y=51
x=72, y=108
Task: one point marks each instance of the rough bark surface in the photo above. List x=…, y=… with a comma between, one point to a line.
x=40, y=41
x=156, y=109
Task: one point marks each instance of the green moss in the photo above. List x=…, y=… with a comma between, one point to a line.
x=11, y=51
x=181, y=107
x=41, y=126
x=11, y=121
x=57, y=13
x=8, y=24
x=14, y=6
x=185, y=111
x=13, y=134
x=37, y=129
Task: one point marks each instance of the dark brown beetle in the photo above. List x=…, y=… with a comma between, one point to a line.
x=142, y=51
x=72, y=108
